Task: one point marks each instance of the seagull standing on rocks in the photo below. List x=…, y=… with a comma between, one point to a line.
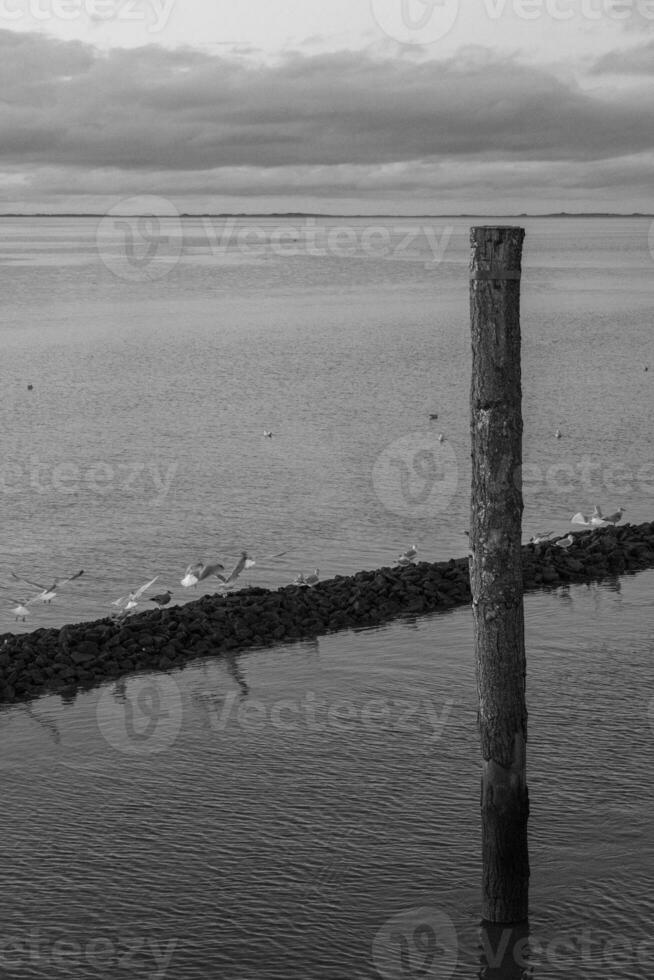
x=565, y=542
x=406, y=558
x=614, y=518
x=163, y=598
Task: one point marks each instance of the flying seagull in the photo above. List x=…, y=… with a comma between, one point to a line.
x=130, y=601
x=47, y=593
x=540, y=537
x=244, y=562
x=198, y=572
x=20, y=611
x=597, y=518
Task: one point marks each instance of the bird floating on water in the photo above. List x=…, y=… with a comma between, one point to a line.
x=557, y=434
x=441, y=437
x=267, y=434
x=47, y=593
x=433, y=416
x=199, y=571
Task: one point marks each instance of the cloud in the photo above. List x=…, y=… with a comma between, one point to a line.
x=638, y=60
x=74, y=119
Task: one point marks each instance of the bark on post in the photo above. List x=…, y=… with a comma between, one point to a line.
x=496, y=570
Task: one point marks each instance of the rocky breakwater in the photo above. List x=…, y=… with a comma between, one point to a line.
x=84, y=655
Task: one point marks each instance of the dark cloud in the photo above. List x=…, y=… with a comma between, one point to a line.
x=74, y=117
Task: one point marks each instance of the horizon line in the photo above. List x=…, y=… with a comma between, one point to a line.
x=323, y=214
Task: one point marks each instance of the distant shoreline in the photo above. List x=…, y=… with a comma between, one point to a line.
x=317, y=214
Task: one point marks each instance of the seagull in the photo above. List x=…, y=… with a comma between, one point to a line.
x=433, y=415
x=540, y=537
x=244, y=562
x=565, y=542
x=309, y=580
x=21, y=611
x=162, y=599
x=46, y=594
x=131, y=601
x=597, y=518
x=406, y=558
x=441, y=437
x=614, y=518
x=267, y=434
x=557, y=434
x=580, y=519
x=196, y=573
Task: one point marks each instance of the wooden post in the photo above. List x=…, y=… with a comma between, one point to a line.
x=496, y=569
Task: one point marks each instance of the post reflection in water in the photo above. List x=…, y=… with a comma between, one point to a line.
x=504, y=952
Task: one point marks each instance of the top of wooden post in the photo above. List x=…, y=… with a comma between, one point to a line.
x=496, y=252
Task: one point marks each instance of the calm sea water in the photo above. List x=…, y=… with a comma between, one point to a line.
x=288, y=812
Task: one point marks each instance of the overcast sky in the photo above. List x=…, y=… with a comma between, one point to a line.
x=337, y=106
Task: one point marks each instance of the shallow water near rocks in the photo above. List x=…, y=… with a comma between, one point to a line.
x=285, y=812
x=273, y=812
